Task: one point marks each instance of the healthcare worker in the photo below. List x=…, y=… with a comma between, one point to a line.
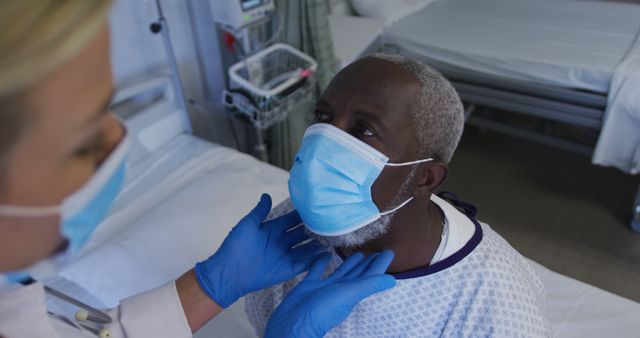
x=62, y=156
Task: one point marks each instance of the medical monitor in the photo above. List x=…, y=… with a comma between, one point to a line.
x=249, y=4
x=236, y=14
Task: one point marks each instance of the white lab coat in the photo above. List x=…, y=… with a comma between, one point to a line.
x=156, y=313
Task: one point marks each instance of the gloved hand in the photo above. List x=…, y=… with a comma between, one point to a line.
x=256, y=255
x=317, y=305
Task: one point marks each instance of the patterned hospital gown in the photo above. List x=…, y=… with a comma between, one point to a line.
x=489, y=291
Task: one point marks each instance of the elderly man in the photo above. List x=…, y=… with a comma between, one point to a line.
x=364, y=180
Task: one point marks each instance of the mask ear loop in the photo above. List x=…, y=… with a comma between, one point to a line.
x=398, y=207
x=45, y=211
x=408, y=163
x=411, y=198
x=23, y=211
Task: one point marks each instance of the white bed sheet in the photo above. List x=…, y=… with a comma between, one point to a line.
x=353, y=36
x=619, y=141
x=191, y=195
x=577, y=309
x=194, y=192
x=574, y=44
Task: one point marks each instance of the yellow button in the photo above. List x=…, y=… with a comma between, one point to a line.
x=82, y=315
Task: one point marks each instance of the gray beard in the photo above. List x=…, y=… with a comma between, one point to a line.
x=370, y=231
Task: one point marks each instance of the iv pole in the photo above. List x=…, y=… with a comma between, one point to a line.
x=161, y=26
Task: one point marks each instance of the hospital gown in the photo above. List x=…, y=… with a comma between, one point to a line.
x=489, y=291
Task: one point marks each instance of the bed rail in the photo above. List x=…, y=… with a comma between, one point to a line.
x=572, y=106
x=555, y=103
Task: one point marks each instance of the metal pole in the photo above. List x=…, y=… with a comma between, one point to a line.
x=261, y=147
x=635, y=222
x=162, y=27
x=247, y=41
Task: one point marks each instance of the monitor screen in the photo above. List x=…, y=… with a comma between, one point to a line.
x=250, y=4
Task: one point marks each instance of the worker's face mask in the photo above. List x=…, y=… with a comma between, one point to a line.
x=80, y=213
x=331, y=179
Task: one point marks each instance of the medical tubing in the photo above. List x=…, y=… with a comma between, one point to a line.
x=275, y=35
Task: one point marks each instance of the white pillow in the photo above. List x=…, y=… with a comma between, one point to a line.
x=388, y=10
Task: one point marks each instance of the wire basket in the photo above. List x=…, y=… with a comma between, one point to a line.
x=267, y=85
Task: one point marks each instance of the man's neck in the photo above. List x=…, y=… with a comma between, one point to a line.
x=414, y=236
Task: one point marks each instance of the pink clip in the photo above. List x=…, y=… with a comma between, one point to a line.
x=306, y=73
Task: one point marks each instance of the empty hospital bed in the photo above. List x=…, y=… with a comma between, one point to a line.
x=572, y=62
x=183, y=194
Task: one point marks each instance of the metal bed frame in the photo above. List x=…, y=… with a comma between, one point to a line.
x=570, y=106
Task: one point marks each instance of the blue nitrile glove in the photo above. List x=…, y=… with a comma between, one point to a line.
x=256, y=255
x=317, y=305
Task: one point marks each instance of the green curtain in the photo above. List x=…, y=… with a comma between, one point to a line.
x=316, y=38
x=306, y=27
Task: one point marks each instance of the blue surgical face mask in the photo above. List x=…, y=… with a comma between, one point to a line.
x=80, y=214
x=331, y=179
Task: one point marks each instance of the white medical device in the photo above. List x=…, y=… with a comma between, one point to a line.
x=234, y=14
x=269, y=80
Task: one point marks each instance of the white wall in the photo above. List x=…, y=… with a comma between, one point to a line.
x=136, y=53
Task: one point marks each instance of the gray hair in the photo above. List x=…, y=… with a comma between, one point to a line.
x=438, y=112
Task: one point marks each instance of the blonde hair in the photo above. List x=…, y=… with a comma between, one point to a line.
x=36, y=37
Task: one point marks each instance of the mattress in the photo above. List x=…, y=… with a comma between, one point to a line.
x=353, y=36
x=572, y=44
x=176, y=207
x=179, y=203
x=577, y=309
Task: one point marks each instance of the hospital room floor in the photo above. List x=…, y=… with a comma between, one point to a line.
x=553, y=206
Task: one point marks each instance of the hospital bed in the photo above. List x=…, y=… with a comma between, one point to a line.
x=550, y=59
x=181, y=197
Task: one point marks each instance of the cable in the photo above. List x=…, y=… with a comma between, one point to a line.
x=275, y=35
x=233, y=131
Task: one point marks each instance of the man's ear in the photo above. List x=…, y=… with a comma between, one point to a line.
x=429, y=177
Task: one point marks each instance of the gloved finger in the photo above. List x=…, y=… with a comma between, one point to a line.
x=301, y=265
x=379, y=265
x=283, y=223
x=305, y=251
x=359, y=289
x=347, y=265
x=364, y=265
x=260, y=211
x=318, y=267
x=294, y=237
